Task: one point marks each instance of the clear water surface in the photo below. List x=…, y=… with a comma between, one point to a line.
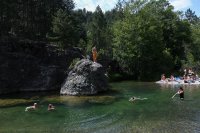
x=105, y=113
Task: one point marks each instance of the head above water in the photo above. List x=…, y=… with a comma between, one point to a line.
x=50, y=105
x=181, y=88
x=94, y=48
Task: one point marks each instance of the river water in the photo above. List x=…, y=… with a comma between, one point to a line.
x=105, y=113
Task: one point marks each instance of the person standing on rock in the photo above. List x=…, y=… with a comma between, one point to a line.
x=94, y=54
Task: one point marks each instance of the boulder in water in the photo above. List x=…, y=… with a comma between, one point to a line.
x=86, y=78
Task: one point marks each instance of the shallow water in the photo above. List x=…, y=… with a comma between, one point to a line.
x=105, y=113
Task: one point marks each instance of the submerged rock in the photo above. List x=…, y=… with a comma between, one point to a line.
x=14, y=102
x=74, y=100
x=86, y=78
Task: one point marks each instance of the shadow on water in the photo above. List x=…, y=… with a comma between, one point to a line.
x=28, y=95
x=23, y=98
x=28, y=98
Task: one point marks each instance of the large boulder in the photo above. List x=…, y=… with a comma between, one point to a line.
x=86, y=78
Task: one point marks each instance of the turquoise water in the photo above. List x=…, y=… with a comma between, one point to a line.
x=106, y=113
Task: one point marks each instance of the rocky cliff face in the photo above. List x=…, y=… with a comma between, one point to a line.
x=86, y=78
x=33, y=66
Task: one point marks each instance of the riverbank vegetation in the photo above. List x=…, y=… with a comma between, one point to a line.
x=135, y=39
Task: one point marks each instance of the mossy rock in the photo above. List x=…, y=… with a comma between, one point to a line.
x=13, y=102
x=102, y=99
x=78, y=100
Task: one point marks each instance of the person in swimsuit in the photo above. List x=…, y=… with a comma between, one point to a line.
x=132, y=99
x=31, y=107
x=94, y=54
x=51, y=107
x=181, y=93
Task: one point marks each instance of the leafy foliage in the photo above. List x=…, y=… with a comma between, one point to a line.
x=139, y=39
x=27, y=18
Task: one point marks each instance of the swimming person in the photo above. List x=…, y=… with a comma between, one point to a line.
x=181, y=93
x=31, y=107
x=162, y=77
x=132, y=99
x=51, y=107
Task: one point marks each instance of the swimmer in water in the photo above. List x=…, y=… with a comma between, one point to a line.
x=51, y=107
x=31, y=107
x=180, y=92
x=132, y=99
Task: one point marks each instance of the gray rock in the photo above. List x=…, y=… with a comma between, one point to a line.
x=86, y=78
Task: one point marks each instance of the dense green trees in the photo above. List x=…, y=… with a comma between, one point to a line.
x=99, y=35
x=153, y=38
x=139, y=41
x=143, y=38
x=193, y=49
x=29, y=18
x=191, y=16
x=64, y=29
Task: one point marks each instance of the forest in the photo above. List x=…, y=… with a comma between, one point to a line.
x=136, y=39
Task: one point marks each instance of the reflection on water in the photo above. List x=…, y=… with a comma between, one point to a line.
x=106, y=113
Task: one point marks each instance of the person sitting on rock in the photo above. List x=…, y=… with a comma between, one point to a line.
x=51, y=107
x=31, y=107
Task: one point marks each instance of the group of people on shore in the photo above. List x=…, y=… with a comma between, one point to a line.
x=35, y=106
x=188, y=77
